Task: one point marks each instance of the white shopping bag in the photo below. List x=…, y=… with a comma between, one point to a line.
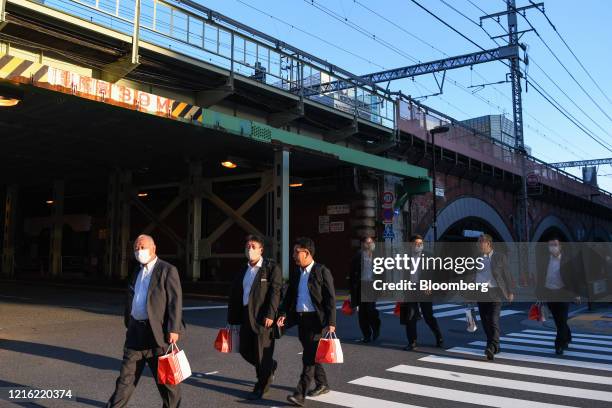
x=235, y=330
x=543, y=312
x=329, y=350
x=471, y=319
x=173, y=367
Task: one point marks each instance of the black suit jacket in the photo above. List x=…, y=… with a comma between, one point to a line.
x=572, y=275
x=164, y=301
x=500, y=272
x=264, y=298
x=322, y=294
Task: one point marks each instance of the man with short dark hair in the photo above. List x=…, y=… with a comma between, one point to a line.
x=558, y=281
x=154, y=319
x=253, y=304
x=496, y=275
x=311, y=303
x=360, y=278
x=409, y=311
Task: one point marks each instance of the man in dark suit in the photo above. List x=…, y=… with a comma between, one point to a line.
x=361, y=272
x=495, y=273
x=311, y=303
x=253, y=304
x=153, y=318
x=409, y=311
x=560, y=278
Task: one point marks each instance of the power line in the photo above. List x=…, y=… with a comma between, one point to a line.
x=565, y=68
x=532, y=82
x=572, y=52
x=311, y=34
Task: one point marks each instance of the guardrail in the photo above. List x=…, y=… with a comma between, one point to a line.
x=418, y=119
x=188, y=28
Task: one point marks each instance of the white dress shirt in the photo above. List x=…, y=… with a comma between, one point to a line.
x=247, y=281
x=304, y=302
x=139, y=303
x=367, y=267
x=553, y=273
x=485, y=275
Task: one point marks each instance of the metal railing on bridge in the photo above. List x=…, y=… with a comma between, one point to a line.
x=191, y=29
x=418, y=119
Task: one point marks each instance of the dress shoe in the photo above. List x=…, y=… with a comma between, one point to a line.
x=490, y=353
x=255, y=395
x=364, y=340
x=376, y=333
x=296, y=400
x=496, y=350
x=410, y=347
x=439, y=342
x=319, y=390
x=559, y=350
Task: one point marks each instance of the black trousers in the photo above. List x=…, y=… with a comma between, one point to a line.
x=309, y=332
x=560, y=311
x=140, y=348
x=258, y=350
x=369, y=321
x=489, y=317
x=428, y=316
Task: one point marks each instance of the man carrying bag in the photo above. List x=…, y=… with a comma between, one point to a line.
x=311, y=303
x=253, y=304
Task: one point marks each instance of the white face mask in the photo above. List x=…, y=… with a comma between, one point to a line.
x=418, y=249
x=370, y=246
x=554, y=249
x=252, y=254
x=143, y=256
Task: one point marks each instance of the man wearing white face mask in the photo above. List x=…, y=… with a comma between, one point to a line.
x=253, y=304
x=154, y=319
x=362, y=274
x=560, y=280
x=410, y=312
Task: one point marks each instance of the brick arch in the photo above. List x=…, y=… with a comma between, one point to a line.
x=551, y=221
x=465, y=207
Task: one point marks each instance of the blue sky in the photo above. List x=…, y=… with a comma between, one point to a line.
x=585, y=26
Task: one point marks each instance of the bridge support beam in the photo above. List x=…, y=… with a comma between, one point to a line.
x=10, y=219
x=124, y=205
x=57, y=229
x=194, y=221
x=212, y=97
x=281, y=209
x=335, y=136
x=279, y=119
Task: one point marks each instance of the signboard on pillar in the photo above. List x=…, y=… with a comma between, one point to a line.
x=387, y=214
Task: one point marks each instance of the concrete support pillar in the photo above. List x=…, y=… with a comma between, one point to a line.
x=57, y=228
x=281, y=209
x=194, y=221
x=8, y=242
x=112, y=226
x=125, y=199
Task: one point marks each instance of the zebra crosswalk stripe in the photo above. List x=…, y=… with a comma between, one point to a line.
x=536, y=359
x=587, y=335
x=506, y=383
x=547, y=351
x=574, y=339
x=552, y=343
x=450, y=394
x=512, y=369
x=344, y=399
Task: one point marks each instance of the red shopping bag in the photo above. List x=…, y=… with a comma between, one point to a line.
x=535, y=312
x=329, y=350
x=396, y=311
x=173, y=367
x=223, y=342
x=346, y=308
